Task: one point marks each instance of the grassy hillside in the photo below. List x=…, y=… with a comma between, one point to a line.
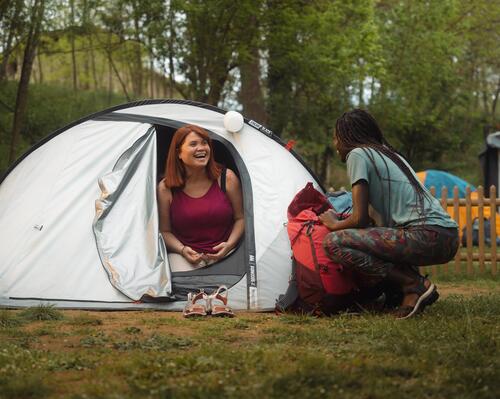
x=50, y=107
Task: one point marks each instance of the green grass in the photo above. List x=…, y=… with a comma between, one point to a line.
x=8, y=319
x=452, y=350
x=41, y=312
x=85, y=320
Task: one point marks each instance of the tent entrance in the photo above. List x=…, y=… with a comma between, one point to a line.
x=229, y=270
x=242, y=262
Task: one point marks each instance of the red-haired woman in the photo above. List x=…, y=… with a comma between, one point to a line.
x=200, y=204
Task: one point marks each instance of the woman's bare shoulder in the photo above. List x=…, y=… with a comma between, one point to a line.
x=163, y=191
x=231, y=177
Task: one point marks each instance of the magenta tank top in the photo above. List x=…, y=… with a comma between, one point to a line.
x=204, y=222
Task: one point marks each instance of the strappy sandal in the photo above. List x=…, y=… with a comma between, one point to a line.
x=194, y=309
x=426, y=297
x=217, y=309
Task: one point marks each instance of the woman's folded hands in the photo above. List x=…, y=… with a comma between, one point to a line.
x=222, y=250
x=194, y=257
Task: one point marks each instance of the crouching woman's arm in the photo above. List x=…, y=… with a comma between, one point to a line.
x=359, y=217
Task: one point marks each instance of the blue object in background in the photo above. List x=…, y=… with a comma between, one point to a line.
x=439, y=179
x=341, y=201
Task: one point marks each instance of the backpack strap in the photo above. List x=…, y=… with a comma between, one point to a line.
x=223, y=179
x=309, y=230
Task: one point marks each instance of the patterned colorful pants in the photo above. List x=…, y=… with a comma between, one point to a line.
x=375, y=250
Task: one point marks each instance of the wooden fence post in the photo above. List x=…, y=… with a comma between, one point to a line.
x=456, y=217
x=444, y=204
x=468, y=229
x=433, y=267
x=480, y=216
x=493, y=229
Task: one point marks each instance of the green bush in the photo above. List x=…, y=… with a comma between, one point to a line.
x=41, y=312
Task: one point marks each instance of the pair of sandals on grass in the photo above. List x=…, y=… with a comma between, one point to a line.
x=203, y=304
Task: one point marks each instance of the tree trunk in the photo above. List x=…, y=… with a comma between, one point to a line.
x=494, y=102
x=89, y=31
x=40, y=70
x=215, y=91
x=110, y=68
x=8, y=44
x=72, y=41
x=250, y=95
x=171, y=39
x=136, y=65
x=361, y=92
x=324, y=166
x=120, y=80
x=37, y=16
x=151, y=72
x=92, y=62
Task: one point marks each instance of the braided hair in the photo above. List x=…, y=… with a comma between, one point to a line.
x=358, y=129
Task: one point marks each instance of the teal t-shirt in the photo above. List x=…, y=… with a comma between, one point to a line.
x=392, y=199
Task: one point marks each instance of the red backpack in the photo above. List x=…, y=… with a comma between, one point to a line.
x=321, y=283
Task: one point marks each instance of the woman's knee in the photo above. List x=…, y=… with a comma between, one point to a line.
x=332, y=244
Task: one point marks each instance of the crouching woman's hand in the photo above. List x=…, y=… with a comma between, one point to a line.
x=328, y=218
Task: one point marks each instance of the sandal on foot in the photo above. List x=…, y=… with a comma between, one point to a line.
x=426, y=297
x=194, y=309
x=217, y=309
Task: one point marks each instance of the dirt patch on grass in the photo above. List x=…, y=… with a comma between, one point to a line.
x=141, y=324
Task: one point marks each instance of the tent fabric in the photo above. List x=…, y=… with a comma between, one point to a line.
x=493, y=140
x=47, y=205
x=54, y=247
x=126, y=224
x=439, y=179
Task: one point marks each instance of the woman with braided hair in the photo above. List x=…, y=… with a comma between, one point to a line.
x=396, y=224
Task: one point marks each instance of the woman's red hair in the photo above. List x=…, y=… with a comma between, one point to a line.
x=175, y=172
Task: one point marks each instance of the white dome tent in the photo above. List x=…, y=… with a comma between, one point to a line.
x=79, y=223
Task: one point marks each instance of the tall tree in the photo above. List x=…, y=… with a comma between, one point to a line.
x=72, y=34
x=251, y=93
x=11, y=21
x=440, y=59
x=34, y=27
x=211, y=39
x=315, y=49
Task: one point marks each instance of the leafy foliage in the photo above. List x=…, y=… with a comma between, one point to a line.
x=429, y=71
